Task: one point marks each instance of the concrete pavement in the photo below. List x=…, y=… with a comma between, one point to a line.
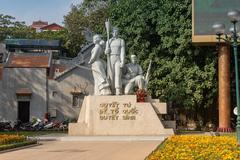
x=85, y=150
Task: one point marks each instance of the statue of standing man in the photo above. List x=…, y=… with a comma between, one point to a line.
x=115, y=50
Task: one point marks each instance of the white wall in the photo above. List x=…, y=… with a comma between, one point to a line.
x=15, y=78
x=63, y=86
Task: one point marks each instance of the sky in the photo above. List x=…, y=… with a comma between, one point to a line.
x=34, y=10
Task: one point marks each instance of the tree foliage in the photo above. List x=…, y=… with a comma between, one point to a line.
x=158, y=30
x=87, y=16
x=161, y=30
x=9, y=27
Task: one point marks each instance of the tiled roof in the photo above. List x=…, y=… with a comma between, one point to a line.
x=52, y=26
x=28, y=61
x=39, y=24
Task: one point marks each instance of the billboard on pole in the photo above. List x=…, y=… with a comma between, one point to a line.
x=205, y=13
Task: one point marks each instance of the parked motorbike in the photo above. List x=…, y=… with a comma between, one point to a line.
x=5, y=126
x=48, y=125
x=35, y=124
x=38, y=125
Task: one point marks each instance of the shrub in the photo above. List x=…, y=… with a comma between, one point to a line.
x=8, y=139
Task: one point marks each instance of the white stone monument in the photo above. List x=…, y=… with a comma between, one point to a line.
x=103, y=114
x=119, y=115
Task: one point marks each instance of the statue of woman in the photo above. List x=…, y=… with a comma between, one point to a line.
x=101, y=84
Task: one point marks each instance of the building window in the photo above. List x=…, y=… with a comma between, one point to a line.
x=77, y=96
x=75, y=101
x=54, y=93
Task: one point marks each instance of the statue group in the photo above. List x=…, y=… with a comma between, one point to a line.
x=114, y=77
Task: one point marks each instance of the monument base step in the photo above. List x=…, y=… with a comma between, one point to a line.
x=114, y=138
x=102, y=138
x=118, y=116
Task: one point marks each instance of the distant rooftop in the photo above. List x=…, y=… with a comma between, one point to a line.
x=39, y=24
x=52, y=27
x=44, y=26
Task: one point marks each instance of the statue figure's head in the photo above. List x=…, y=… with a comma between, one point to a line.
x=102, y=43
x=133, y=58
x=96, y=39
x=115, y=32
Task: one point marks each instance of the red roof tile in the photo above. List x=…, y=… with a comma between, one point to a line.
x=39, y=24
x=52, y=26
x=26, y=61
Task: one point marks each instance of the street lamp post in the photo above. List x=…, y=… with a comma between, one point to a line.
x=219, y=28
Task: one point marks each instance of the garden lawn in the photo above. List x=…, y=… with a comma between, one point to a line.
x=200, y=147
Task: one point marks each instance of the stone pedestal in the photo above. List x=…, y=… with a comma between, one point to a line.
x=119, y=115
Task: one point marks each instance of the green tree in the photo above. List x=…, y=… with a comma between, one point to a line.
x=89, y=15
x=161, y=30
x=9, y=27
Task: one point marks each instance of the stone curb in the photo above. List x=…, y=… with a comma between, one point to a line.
x=19, y=148
x=103, y=138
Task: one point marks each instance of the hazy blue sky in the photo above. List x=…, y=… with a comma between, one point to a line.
x=33, y=10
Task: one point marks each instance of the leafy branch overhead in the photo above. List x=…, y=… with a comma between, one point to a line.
x=161, y=30
x=88, y=16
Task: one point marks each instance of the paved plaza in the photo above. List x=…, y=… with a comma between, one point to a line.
x=84, y=150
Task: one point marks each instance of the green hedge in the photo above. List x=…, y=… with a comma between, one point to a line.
x=16, y=145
